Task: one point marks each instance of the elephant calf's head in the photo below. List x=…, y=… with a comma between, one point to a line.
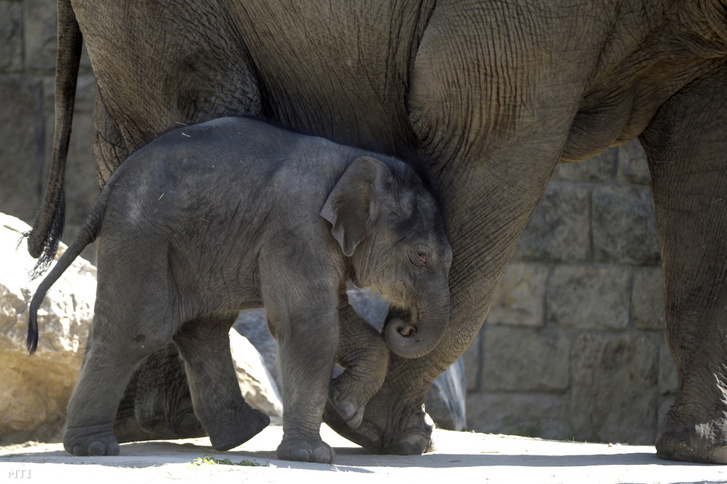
x=390, y=227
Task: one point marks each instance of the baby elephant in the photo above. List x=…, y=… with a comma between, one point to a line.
x=234, y=213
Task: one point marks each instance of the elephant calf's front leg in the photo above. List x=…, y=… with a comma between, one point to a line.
x=365, y=357
x=307, y=340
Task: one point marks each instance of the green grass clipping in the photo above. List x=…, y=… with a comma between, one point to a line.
x=209, y=460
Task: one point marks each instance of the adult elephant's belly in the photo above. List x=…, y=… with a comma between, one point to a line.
x=347, y=84
x=613, y=115
x=598, y=126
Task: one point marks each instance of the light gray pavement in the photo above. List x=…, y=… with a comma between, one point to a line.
x=462, y=457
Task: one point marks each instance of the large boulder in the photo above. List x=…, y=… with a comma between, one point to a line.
x=257, y=384
x=36, y=389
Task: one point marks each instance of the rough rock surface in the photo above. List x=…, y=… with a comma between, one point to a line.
x=35, y=389
x=257, y=385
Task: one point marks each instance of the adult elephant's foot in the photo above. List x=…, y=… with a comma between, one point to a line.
x=93, y=440
x=684, y=438
x=394, y=420
x=412, y=435
x=305, y=450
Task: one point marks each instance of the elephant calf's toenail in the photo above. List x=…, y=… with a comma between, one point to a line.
x=96, y=448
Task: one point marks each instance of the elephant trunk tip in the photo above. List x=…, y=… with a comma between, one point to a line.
x=403, y=328
x=414, y=330
x=407, y=340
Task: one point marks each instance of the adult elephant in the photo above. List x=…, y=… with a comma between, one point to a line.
x=484, y=98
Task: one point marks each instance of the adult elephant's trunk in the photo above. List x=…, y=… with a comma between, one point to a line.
x=418, y=334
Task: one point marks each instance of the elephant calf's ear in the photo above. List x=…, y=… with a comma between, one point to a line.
x=348, y=207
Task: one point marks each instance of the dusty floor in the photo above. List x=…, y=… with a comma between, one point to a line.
x=461, y=457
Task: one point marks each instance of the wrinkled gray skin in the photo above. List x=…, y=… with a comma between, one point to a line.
x=486, y=98
x=234, y=213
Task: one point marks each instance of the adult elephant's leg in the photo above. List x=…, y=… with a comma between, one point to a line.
x=483, y=235
x=492, y=118
x=205, y=346
x=686, y=144
x=157, y=403
x=109, y=147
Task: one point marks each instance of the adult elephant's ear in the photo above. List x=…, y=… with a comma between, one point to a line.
x=350, y=205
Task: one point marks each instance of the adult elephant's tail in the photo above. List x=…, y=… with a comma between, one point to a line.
x=45, y=235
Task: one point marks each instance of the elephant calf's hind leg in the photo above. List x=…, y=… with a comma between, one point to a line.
x=205, y=346
x=106, y=371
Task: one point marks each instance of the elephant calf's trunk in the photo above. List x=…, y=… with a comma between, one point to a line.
x=410, y=340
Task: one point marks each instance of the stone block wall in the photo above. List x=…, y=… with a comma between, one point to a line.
x=574, y=347
x=27, y=67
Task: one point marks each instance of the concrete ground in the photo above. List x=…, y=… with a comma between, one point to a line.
x=461, y=457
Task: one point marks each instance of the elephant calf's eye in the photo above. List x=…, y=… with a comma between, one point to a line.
x=419, y=257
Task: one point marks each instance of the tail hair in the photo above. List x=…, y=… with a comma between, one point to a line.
x=51, y=242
